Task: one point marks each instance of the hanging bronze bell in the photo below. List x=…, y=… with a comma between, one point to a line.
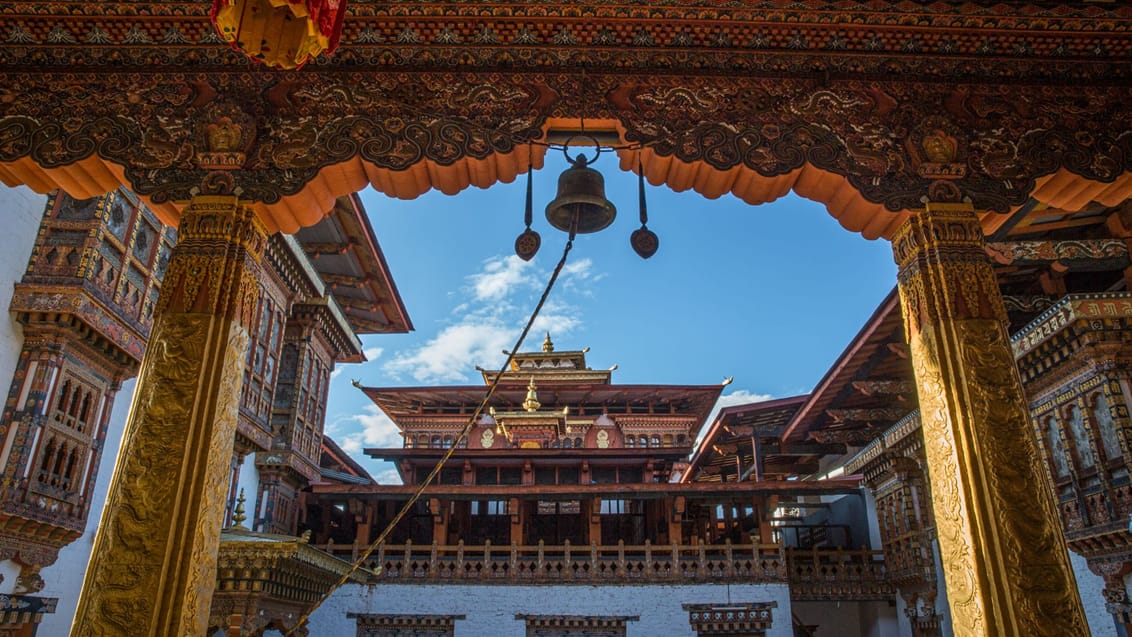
x=580, y=206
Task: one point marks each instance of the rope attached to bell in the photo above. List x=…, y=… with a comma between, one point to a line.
x=472, y=421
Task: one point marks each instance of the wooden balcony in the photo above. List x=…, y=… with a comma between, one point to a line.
x=835, y=574
x=566, y=564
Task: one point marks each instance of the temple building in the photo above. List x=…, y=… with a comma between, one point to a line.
x=795, y=516
x=984, y=407
x=562, y=512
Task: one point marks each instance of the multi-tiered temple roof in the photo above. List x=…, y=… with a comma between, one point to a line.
x=548, y=400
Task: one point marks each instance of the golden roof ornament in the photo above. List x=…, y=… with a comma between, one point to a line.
x=548, y=345
x=238, y=516
x=531, y=403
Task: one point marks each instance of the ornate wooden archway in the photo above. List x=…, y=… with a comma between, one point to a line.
x=912, y=120
x=867, y=109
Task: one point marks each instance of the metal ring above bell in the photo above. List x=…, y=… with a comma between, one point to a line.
x=574, y=160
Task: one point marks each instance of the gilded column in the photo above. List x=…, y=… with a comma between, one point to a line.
x=1005, y=560
x=153, y=567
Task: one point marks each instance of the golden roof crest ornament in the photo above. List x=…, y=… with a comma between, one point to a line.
x=238, y=516
x=531, y=403
x=548, y=345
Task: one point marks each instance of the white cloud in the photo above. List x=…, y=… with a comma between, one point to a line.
x=371, y=354
x=377, y=430
x=556, y=324
x=580, y=269
x=500, y=277
x=453, y=353
x=498, y=298
x=387, y=476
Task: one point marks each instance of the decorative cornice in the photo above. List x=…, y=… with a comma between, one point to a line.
x=944, y=39
x=724, y=619
x=906, y=426
x=21, y=610
x=1066, y=312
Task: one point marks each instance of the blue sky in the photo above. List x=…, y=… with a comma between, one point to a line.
x=768, y=294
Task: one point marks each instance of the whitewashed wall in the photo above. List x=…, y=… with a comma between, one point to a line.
x=249, y=482
x=21, y=211
x=1090, y=585
x=491, y=610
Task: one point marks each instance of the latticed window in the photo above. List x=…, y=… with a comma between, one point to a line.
x=263, y=353
x=405, y=625
x=64, y=448
x=75, y=405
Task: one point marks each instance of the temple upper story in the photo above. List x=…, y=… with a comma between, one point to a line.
x=548, y=364
x=550, y=400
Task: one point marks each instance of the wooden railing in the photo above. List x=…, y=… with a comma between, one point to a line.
x=835, y=574
x=409, y=563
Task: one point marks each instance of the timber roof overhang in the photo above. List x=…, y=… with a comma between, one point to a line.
x=344, y=251
x=335, y=459
x=732, y=434
x=693, y=402
x=543, y=457
x=869, y=388
x=699, y=490
x=865, y=106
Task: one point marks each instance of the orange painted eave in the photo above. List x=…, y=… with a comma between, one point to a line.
x=844, y=203
x=92, y=176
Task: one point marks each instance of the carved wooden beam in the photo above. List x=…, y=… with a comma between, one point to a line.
x=885, y=387
x=803, y=449
x=1078, y=254
x=1029, y=304
x=316, y=249
x=856, y=436
x=887, y=414
x=899, y=349
x=343, y=279
x=786, y=466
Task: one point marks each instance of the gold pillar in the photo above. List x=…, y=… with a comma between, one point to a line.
x=1004, y=557
x=153, y=567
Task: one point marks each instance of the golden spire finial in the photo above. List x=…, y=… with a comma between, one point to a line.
x=548, y=345
x=531, y=403
x=238, y=516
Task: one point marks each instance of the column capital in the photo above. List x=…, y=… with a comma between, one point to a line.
x=944, y=269
x=215, y=269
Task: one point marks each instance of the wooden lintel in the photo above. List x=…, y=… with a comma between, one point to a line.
x=1076, y=254
x=587, y=491
x=787, y=467
x=319, y=248
x=807, y=448
x=332, y=279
